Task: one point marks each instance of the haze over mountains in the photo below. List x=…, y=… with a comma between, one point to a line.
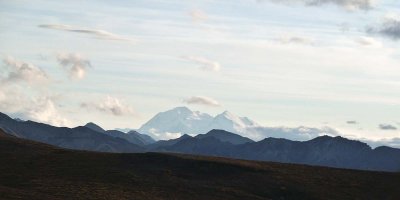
x=323, y=151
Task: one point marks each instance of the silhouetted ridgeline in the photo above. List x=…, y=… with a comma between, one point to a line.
x=323, y=151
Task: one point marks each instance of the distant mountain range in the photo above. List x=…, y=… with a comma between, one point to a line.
x=181, y=120
x=323, y=150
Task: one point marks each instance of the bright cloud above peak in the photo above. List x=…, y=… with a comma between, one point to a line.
x=202, y=100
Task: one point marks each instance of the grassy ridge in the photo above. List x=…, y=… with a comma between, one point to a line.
x=32, y=170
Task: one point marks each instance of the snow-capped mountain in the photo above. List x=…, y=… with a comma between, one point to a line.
x=176, y=122
x=181, y=120
x=229, y=122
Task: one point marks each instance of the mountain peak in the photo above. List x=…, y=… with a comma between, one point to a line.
x=227, y=114
x=182, y=109
x=225, y=136
x=94, y=127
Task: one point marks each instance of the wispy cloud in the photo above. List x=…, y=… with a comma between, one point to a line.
x=198, y=15
x=17, y=70
x=202, y=100
x=204, y=63
x=387, y=127
x=368, y=41
x=99, y=34
x=110, y=105
x=296, y=40
x=352, y=122
x=350, y=5
x=74, y=63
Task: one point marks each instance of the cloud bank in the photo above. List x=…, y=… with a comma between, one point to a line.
x=202, y=100
x=27, y=102
x=301, y=133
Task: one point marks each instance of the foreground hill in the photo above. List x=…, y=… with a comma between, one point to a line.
x=31, y=170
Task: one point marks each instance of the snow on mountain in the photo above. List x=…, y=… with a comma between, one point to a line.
x=231, y=123
x=181, y=120
x=176, y=122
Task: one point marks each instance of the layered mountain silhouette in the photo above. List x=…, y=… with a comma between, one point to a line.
x=323, y=151
x=81, y=138
x=132, y=136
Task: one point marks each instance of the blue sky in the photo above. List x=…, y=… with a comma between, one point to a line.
x=280, y=64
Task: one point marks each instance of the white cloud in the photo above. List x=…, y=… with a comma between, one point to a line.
x=110, y=105
x=27, y=102
x=198, y=15
x=41, y=109
x=74, y=63
x=44, y=110
x=368, y=41
x=17, y=71
x=202, y=100
x=204, y=63
x=100, y=34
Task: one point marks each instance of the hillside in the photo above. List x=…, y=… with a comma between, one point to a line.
x=31, y=170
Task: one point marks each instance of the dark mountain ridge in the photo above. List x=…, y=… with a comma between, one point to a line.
x=328, y=151
x=31, y=170
x=80, y=138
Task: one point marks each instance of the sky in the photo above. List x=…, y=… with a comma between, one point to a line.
x=288, y=63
